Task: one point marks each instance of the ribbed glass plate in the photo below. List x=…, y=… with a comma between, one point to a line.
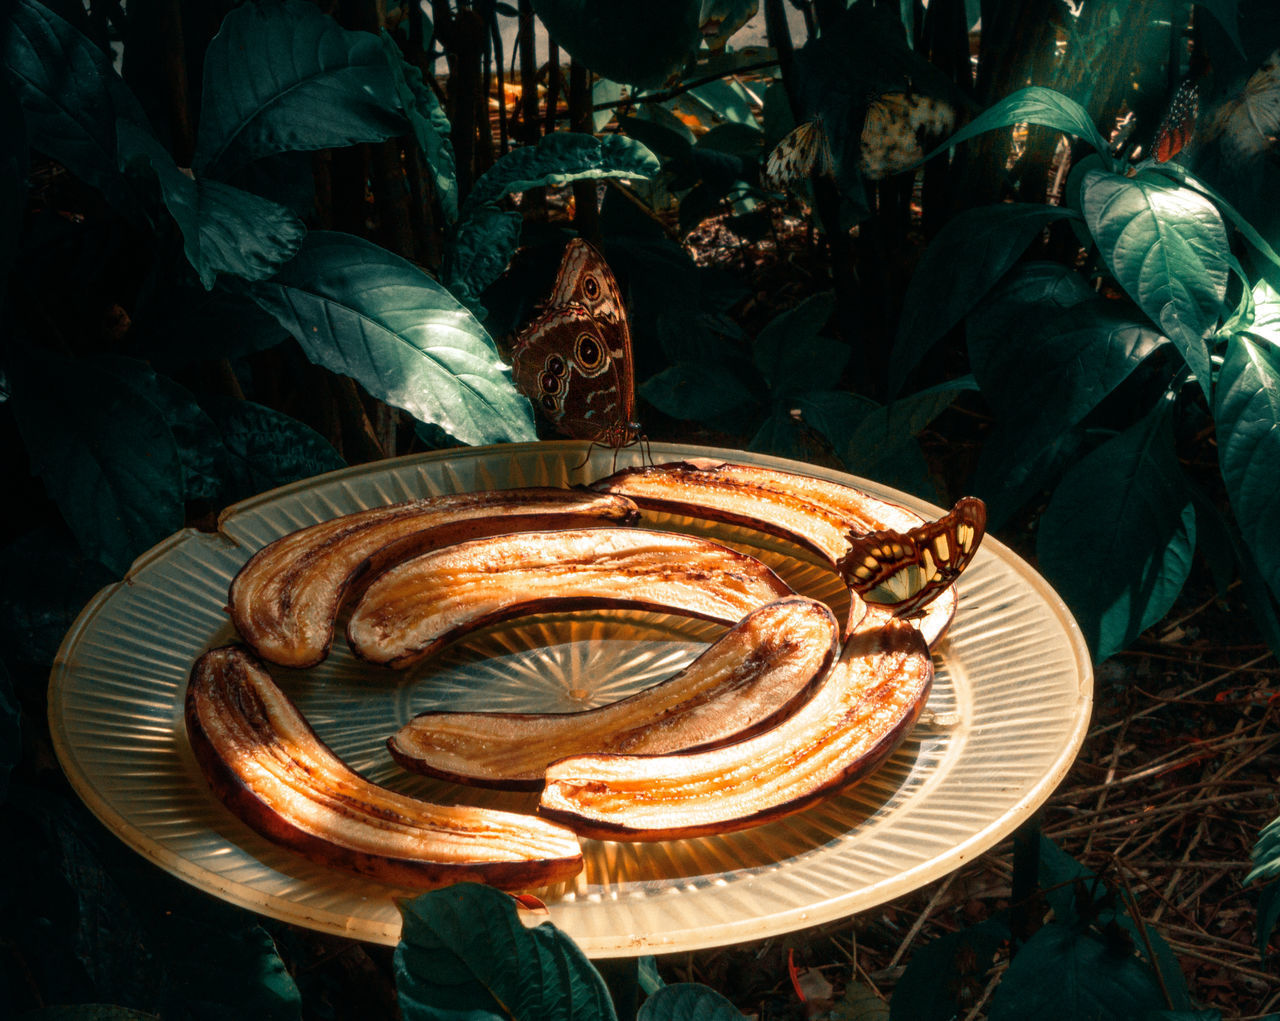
x=1008, y=712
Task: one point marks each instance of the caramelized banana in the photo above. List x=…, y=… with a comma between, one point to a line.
x=743, y=683
x=865, y=707
x=268, y=766
x=417, y=608
x=285, y=599
x=820, y=516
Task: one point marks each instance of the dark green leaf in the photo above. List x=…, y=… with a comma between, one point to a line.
x=972, y=251
x=1008, y=476
x=1227, y=14
x=285, y=76
x=178, y=325
x=791, y=356
x=1064, y=974
x=430, y=125
x=1248, y=425
x=834, y=413
x=947, y=975
x=1032, y=105
x=1068, y=886
x=688, y=1001
x=1268, y=915
x=361, y=311
x=781, y=436
x=87, y=1012
x=637, y=44
x=232, y=972
x=1266, y=853
x=224, y=229
x=743, y=140
x=10, y=730
x=45, y=582
x=463, y=952
x=1167, y=247
x=662, y=133
x=266, y=448
x=560, y=158
x=480, y=252
x=72, y=99
x=108, y=458
x=1118, y=535
x=691, y=391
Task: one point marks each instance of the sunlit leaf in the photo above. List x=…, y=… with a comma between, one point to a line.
x=285, y=76
x=1167, y=247
x=464, y=953
x=560, y=158
x=1117, y=538
x=361, y=311
x=1248, y=431
x=636, y=44
x=966, y=258
x=688, y=1001
x=430, y=126
x=1032, y=105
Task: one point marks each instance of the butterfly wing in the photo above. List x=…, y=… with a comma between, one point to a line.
x=1248, y=122
x=574, y=361
x=804, y=150
x=1179, y=121
x=907, y=570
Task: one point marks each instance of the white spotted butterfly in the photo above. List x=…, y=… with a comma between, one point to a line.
x=905, y=571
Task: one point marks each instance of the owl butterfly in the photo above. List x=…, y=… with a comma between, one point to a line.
x=574, y=360
x=906, y=570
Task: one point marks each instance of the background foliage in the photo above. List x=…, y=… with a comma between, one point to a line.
x=246, y=243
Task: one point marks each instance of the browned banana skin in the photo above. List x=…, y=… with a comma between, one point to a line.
x=747, y=680
x=268, y=766
x=285, y=599
x=813, y=513
x=415, y=609
x=868, y=703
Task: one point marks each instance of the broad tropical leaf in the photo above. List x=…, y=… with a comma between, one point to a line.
x=939, y=970
x=106, y=454
x=692, y=391
x=1167, y=246
x=560, y=158
x=971, y=252
x=464, y=953
x=430, y=126
x=1118, y=535
x=480, y=252
x=1247, y=416
x=1033, y=105
x=361, y=311
x=688, y=1001
x=285, y=76
x=791, y=355
x=266, y=448
x=636, y=44
x=72, y=99
x=224, y=229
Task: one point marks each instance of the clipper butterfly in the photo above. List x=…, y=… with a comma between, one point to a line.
x=906, y=570
x=574, y=360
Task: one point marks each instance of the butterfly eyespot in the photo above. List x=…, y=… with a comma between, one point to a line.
x=556, y=366
x=550, y=383
x=591, y=287
x=587, y=352
x=549, y=403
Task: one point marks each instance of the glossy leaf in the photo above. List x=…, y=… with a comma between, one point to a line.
x=636, y=44
x=363, y=312
x=107, y=456
x=430, y=126
x=1266, y=313
x=480, y=252
x=1117, y=538
x=1247, y=416
x=561, y=158
x=285, y=76
x=1064, y=974
x=71, y=98
x=266, y=448
x=224, y=229
x=688, y=1001
x=971, y=252
x=1167, y=247
x=1032, y=105
x=464, y=953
